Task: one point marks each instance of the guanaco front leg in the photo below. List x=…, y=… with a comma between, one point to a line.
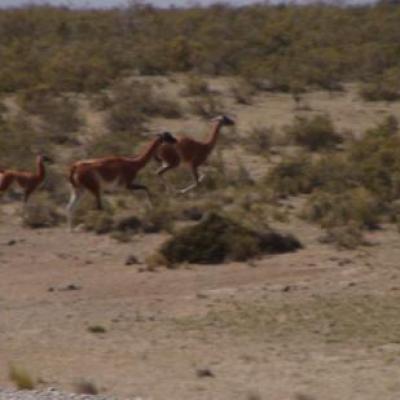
x=197, y=180
x=138, y=186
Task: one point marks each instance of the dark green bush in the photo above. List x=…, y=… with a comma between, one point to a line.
x=385, y=87
x=217, y=239
x=315, y=134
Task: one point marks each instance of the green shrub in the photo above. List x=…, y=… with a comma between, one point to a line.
x=291, y=176
x=356, y=206
x=344, y=237
x=59, y=114
x=134, y=102
x=20, y=143
x=98, y=221
x=207, y=106
x=259, y=140
x=315, y=134
x=385, y=87
x=217, y=239
x=195, y=86
x=243, y=92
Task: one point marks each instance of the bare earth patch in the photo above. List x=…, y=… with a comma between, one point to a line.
x=317, y=322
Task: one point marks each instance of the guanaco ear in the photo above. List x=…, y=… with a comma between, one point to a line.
x=228, y=121
x=47, y=158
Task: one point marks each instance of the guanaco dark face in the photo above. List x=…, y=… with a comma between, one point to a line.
x=167, y=137
x=224, y=120
x=45, y=158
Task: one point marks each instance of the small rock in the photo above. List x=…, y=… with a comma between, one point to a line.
x=286, y=289
x=71, y=286
x=50, y=289
x=132, y=260
x=11, y=242
x=204, y=373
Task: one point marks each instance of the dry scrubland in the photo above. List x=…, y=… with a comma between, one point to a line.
x=102, y=310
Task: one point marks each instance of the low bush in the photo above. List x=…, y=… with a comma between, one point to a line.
x=217, y=239
x=195, y=86
x=259, y=140
x=243, y=93
x=314, y=134
x=347, y=237
x=20, y=143
x=385, y=87
x=355, y=206
x=41, y=215
x=207, y=106
x=99, y=222
x=133, y=103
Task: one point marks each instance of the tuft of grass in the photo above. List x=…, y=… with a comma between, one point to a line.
x=96, y=329
x=99, y=222
x=40, y=212
x=21, y=378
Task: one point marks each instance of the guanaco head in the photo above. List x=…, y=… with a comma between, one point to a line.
x=167, y=137
x=44, y=158
x=224, y=120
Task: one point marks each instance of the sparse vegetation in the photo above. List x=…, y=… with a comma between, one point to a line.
x=314, y=134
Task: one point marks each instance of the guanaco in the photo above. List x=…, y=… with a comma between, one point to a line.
x=26, y=180
x=94, y=175
x=191, y=152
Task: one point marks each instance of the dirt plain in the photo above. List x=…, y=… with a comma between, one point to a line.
x=320, y=323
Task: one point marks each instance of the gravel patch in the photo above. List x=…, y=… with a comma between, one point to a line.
x=51, y=394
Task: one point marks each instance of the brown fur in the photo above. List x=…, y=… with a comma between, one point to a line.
x=189, y=151
x=26, y=180
x=91, y=174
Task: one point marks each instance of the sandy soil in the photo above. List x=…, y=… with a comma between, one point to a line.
x=242, y=322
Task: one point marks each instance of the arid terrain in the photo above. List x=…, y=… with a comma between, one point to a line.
x=320, y=323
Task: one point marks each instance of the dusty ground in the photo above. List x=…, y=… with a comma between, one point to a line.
x=316, y=324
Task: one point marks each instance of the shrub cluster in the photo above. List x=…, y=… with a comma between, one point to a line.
x=270, y=46
x=358, y=185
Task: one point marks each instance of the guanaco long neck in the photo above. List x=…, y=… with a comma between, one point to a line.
x=40, y=171
x=213, y=137
x=144, y=157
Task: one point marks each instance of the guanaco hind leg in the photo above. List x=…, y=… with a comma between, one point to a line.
x=76, y=195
